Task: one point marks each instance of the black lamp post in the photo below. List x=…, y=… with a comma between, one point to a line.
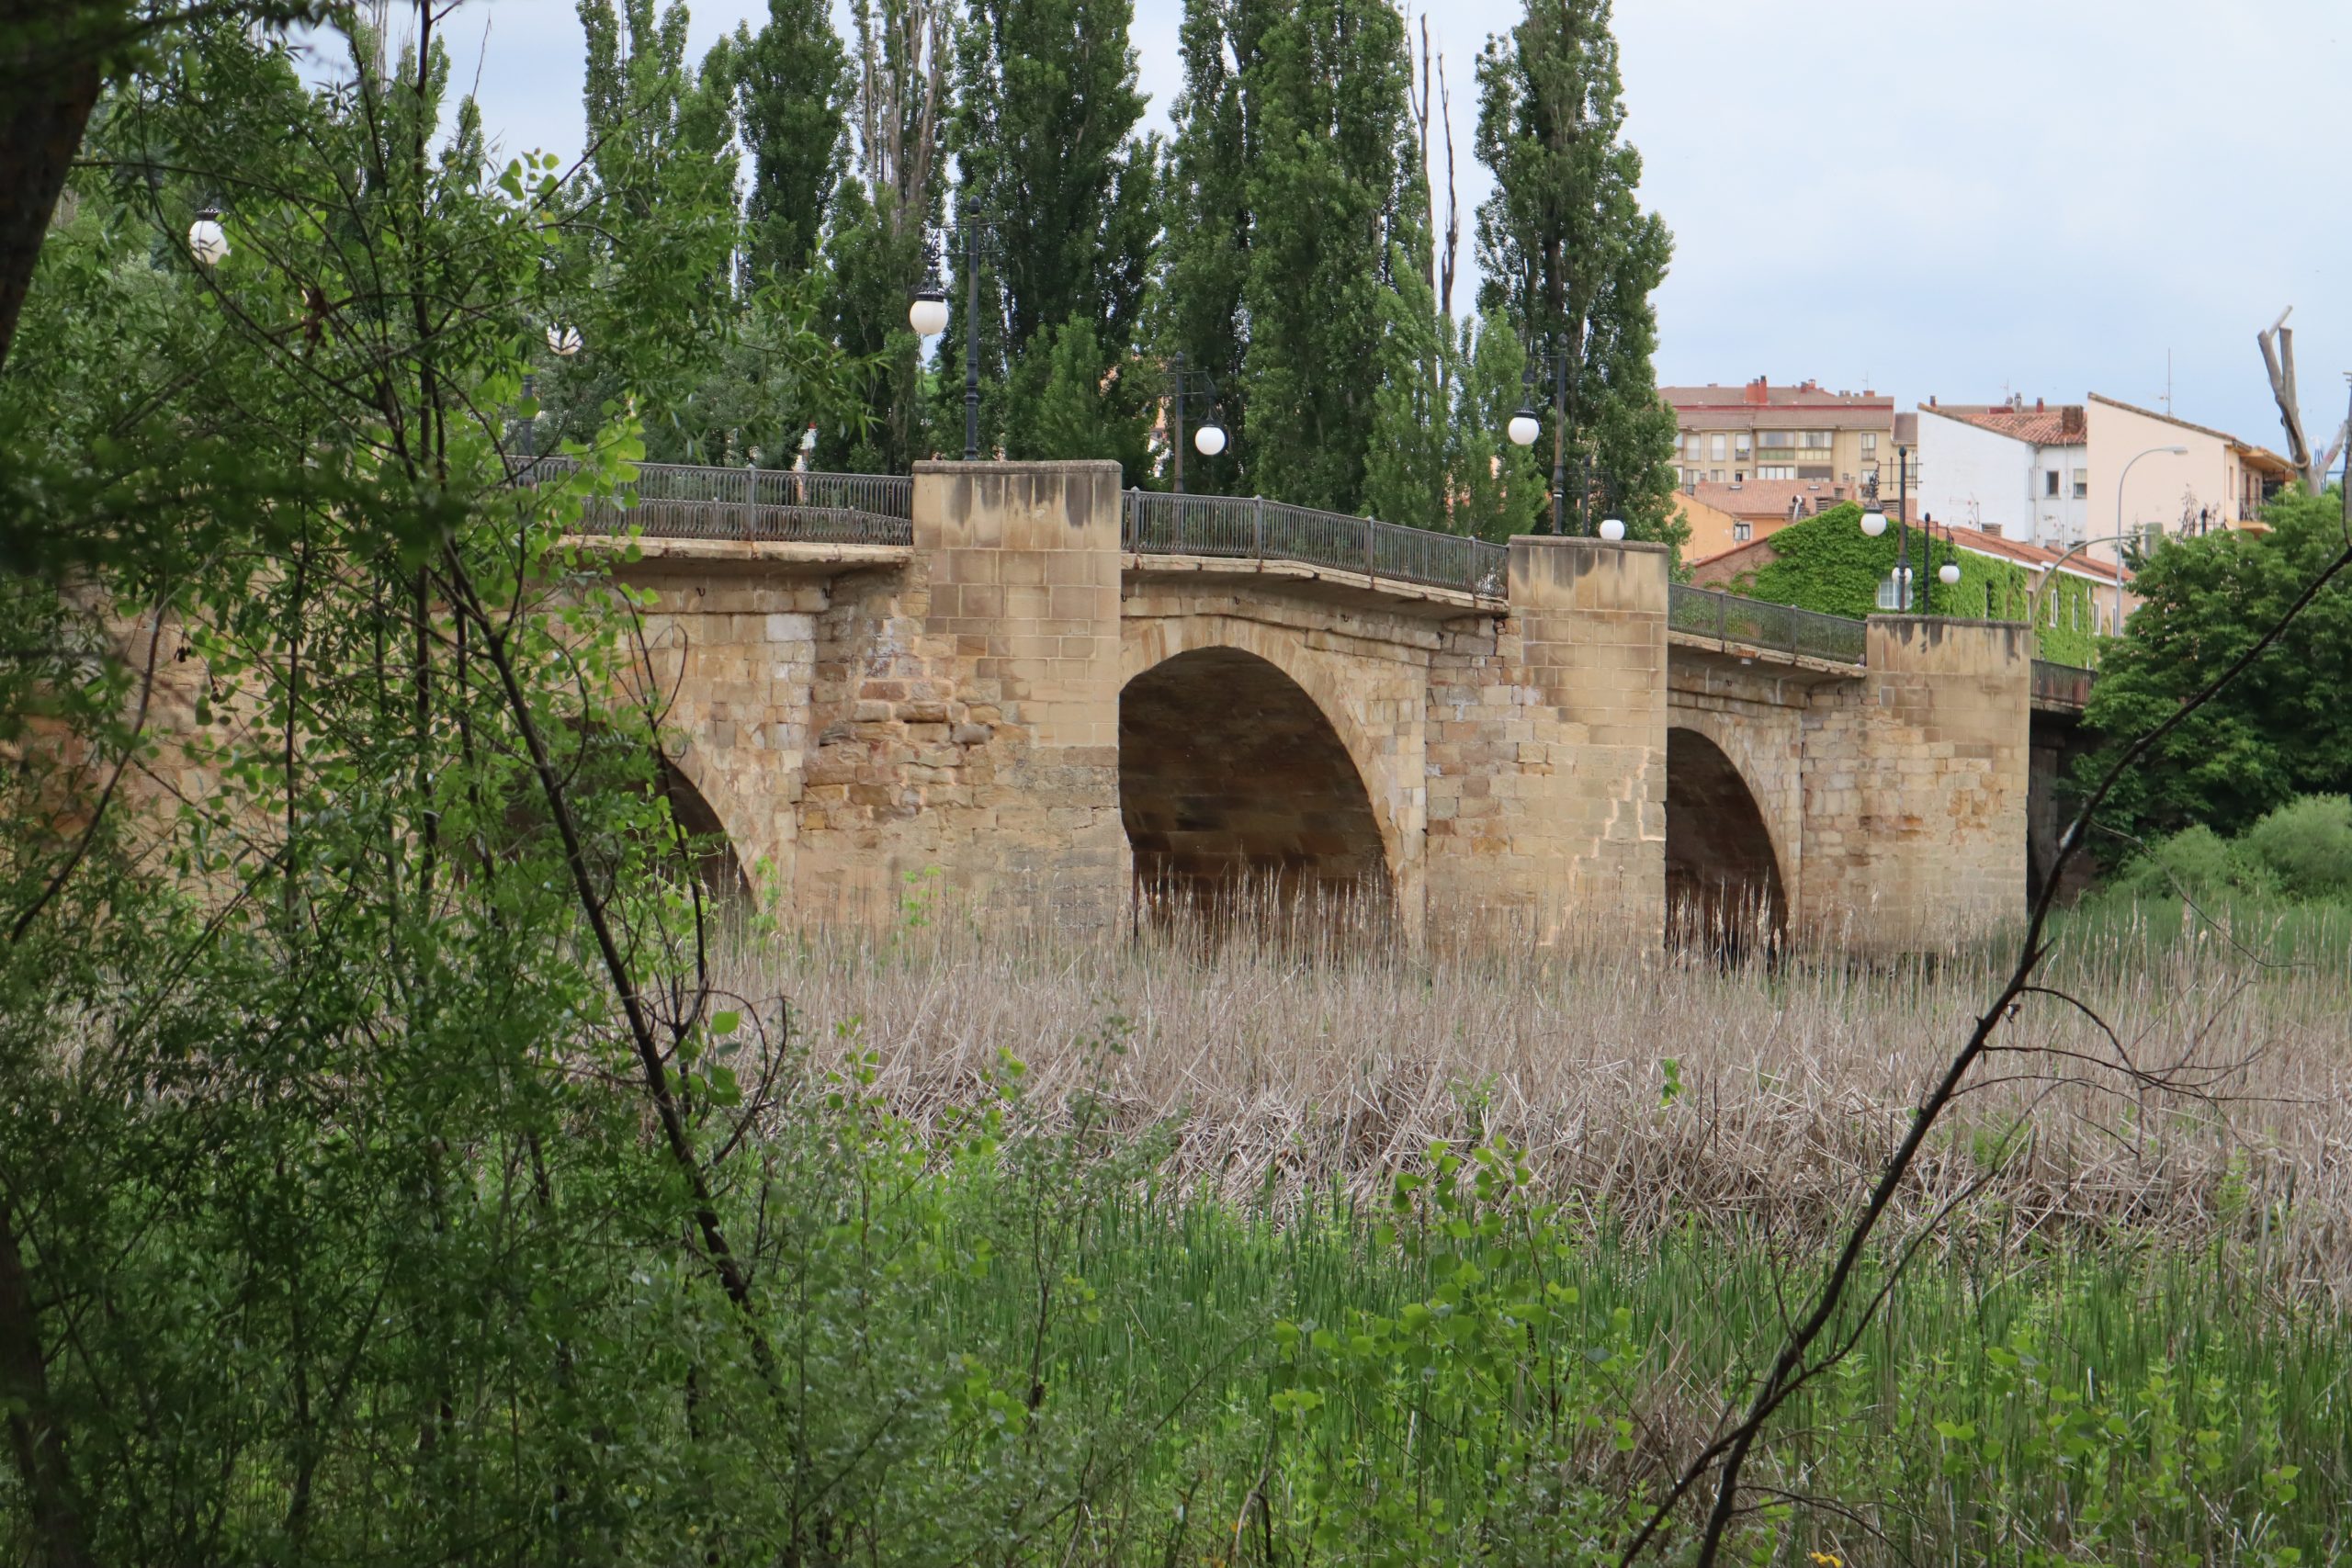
x=1525, y=426
x=928, y=315
x=1874, y=525
x=1208, y=437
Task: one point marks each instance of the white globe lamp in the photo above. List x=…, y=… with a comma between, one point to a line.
x=1873, y=524
x=1949, y=574
x=1613, y=529
x=563, y=342
x=207, y=239
x=928, y=314
x=1525, y=428
x=1209, y=440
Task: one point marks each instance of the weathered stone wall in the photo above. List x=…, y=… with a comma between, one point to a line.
x=1916, y=787
x=965, y=708
x=1548, y=749
x=732, y=655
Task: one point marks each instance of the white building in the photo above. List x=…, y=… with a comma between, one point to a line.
x=2018, y=470
x=2140, y=487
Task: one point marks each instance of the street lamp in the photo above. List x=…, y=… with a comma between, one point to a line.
x=1613, y=529
x=1874, y=524
x=2153, y=451
x=1525, y=426
x=927, y=313
x=1208, y=439
x=207, y=239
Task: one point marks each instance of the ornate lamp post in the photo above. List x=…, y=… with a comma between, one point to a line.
x=1525, y=426
x=1208, y=437
x=1874, y=525
x=927, y=313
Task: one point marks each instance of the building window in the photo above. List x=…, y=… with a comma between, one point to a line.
x=1890, y=594
x=2050, y=483
x=1717, y=446
x=2082, y=484
x=1870, y=440
x=1715, y=476
x=1776, y=439
x=1776, y=471
x=1742, y=532
x=1691, y=443
x=1740, y=444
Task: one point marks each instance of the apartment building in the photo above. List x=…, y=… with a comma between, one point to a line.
x=2018, y=469
x=2139, y=488
x=1759, y=432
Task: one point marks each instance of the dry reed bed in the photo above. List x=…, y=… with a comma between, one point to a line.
x=1307, y=1064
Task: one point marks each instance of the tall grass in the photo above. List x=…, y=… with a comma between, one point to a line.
x=1645, y=1088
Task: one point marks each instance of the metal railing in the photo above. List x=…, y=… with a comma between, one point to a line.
x=2063, y=685
x=687, y=500
x=1765, y=627
x=1246, y=529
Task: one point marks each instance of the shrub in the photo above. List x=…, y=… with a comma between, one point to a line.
x=2199, y=863
x=2306, y=845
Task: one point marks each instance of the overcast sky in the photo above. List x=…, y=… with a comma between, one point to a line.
x=2043, y=196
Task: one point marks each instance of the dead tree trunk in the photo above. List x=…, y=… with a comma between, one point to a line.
x=2278, y=358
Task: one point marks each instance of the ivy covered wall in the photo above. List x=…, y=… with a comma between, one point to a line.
x=1827, y=563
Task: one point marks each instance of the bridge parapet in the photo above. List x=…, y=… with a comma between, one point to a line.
x=1252, y=528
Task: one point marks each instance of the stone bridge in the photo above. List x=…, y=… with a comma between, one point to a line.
x=1039, y=690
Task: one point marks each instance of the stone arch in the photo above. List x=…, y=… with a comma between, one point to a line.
x=1232, y=777
x=1722, y=876
x=716, y=865
x=1375, y=700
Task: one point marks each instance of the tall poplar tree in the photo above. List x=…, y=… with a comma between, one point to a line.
x=1334, y=185
x=1205, y=195
x=792, y=89
x=884, y=220
x=1046, y=151
x=1569, y=253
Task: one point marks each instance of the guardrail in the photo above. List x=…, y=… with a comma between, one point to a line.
x=1247, y=528
x=2063, y=685
x=688, y=500
x=1762, y=625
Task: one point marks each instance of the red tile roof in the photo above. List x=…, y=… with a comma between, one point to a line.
x=2032, y=556
x=1756, y=499
x=2041, y=426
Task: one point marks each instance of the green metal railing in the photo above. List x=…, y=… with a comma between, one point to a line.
x=690, y=500
x=1247, y=528
x=1759, y=624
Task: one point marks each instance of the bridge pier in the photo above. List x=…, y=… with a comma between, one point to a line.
x=1547, y=751
x=1915, y=781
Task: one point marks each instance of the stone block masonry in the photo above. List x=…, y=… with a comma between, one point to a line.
x=965, y=708
x=1547, y=750
x=1011, y=711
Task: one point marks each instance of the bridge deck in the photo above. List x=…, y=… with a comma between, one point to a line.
x=778, y=519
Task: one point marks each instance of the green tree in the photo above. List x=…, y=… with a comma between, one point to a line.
x=1205, y=200
x=1569, y=253
x=1500, y=488
x=1410, y=471
x=792, y=89
x=2281, y=729
x=1333, y=183
x=1043, y=140
x=882, y=222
